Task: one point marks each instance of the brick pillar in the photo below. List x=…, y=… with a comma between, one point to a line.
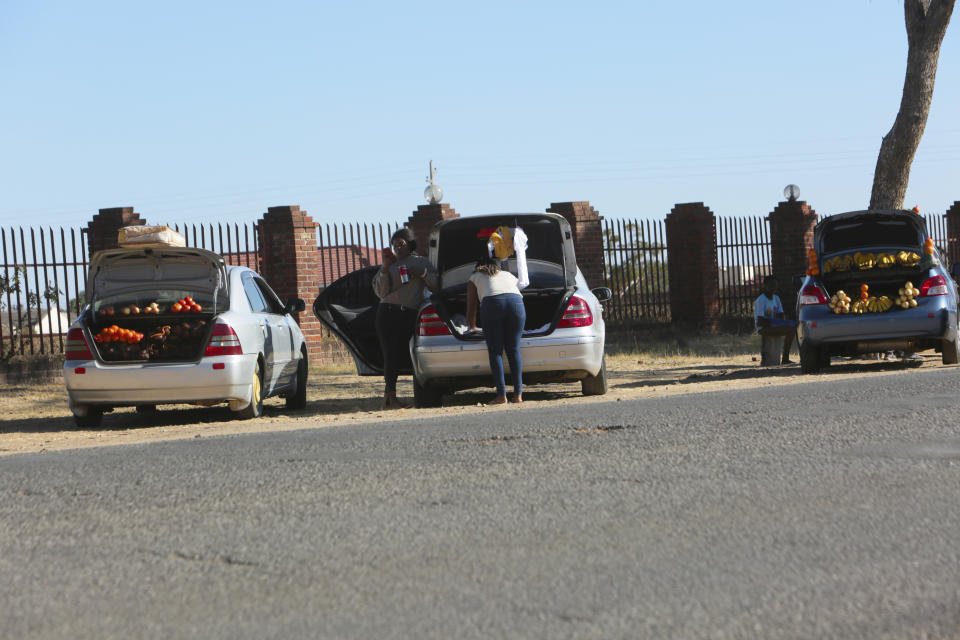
x=103, y=229
x=791, y=237
x=953, y=233
x=288, y=246
x=587, y=237
x=423, y=220
x=692, y=266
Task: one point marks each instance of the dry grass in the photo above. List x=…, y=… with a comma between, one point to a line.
x=336, y=388
x=36, y=417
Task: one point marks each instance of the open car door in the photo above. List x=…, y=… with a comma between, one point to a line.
x=348, y=307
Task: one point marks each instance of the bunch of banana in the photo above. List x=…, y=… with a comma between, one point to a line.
x=859, y=307
x=864, y=260
x=878, y=305
x=907, y=258
x=837, y=263
x=840, y=302
x=906, y=296
x=886, y=260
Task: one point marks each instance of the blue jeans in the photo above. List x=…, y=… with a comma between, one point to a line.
x=502, y=318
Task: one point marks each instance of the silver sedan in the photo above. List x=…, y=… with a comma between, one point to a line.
x=563, y=339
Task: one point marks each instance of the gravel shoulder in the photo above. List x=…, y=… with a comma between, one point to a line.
x=36, y=418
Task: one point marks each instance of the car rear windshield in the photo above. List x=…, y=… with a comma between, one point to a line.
x=871, y=232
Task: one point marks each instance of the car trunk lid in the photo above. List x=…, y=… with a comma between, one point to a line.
x=117, y=270
x=123, y=283
x=458, y=243
x=871, y=232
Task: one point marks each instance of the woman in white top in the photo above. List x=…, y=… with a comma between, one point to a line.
x=502, y=316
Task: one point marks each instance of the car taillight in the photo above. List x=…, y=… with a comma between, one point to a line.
x=935, y=286
x=77, y=347
x=812, y=294
x=430, y=324
x=224, y=341
x=577, y=314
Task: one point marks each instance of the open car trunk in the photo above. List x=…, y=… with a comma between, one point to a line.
x=457, y=244
x=154, y=304
x=880, y=282
x=876, y=233
x=165, y=338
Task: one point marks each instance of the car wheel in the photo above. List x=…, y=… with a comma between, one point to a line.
x=255, y=408
x=950, y=352
x=425, y=396
x=298, y=400
x=93, y=418
x=824, y=357
x=810, y=359
x=596, y=385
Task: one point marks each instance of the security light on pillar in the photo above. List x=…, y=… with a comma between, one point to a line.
x=433, y=193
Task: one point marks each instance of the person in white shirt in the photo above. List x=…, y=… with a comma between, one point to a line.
x=502, y=315
x=769, y=318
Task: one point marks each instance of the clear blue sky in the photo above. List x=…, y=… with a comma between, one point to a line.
x=216, y=110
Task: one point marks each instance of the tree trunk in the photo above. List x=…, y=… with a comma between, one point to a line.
x=926, y=22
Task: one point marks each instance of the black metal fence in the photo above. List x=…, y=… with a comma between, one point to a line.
x=43, y=275
x=743, y=260
x=635, y=270
x=347, y=247
x=43, y=278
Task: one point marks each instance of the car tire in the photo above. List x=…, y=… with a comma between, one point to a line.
x=298, y=400
x=425, y=396
x=824, y=357
x=93, y=418
x=596, y=385
x=811, y=359
x=950, y=352
x=255, y=408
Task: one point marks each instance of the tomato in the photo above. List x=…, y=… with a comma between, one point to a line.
x=175, y=307
x=188, y=300
x=196, y=308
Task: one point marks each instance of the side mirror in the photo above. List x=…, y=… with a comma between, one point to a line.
x=295, y=305
x=603, y=293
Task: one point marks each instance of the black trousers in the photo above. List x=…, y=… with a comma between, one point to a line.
x=394, y=329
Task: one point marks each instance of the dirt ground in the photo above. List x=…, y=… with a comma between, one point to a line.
x=36, y=418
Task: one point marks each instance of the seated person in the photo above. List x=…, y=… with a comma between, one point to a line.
x=769, y=319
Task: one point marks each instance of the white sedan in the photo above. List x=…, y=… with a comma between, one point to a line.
x=171, y=325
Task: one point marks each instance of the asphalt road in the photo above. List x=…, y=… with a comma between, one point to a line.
x=821, y=510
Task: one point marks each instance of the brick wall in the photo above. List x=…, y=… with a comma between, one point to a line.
x=791, y=236
x=692, y=265
x=587, y=237
x=288, y=245
x=423, y=220
x=103, y=229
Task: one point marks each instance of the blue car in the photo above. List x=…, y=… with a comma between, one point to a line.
x=877, y=283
